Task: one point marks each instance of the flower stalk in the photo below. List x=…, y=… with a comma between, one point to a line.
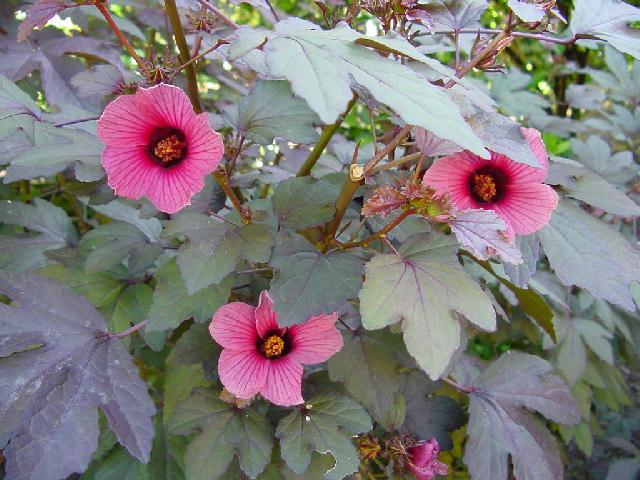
x=104, y=10
x=184, y=54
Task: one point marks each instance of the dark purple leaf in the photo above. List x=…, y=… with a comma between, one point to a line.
x=39, y=14
x=502, y=424
x=60, y=365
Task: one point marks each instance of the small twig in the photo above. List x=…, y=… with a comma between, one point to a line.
x=237, y=148
x=104, y=10
x=457, y=386
x=380, y=233
x=219, y=13
x=396, y=163
x=387, y=149
x=323, y=141
x=73, y=122
x=184, y=53
x=128, y=331
x=416, y=172
x=534, y=36
x=220, y=217
x=456, y=41
x=193, y=59
x=221, y=177
x=353, y=330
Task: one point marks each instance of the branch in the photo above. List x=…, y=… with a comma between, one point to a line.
x=326, y=135
x=197, y=57
x=457, y=386
x=396, y=163
x=219, y=13
x=112, y=24
x=379, y=234
x=129, y=331
x=222, y=178
x=368, y=168
x=534, y=36
x=185, y=54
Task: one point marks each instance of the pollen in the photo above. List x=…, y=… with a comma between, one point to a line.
x=169, y=149
x=273, y=346
x=484, y=186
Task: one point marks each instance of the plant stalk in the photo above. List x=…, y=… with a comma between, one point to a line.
x=326, y=135
x=184, y=54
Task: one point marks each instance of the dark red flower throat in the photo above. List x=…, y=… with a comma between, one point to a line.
x=167, y=146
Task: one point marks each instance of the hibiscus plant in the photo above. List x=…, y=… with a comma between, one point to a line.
x=294, y=239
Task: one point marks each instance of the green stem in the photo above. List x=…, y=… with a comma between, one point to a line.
x=185, y=54
x=327, y=133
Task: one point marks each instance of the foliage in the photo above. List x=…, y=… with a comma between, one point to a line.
x=516, y=353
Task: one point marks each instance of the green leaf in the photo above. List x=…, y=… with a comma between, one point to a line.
x=378, y=382
x=14, y=101
x=428, y=415
x=132, y=307
x=53, y=150
x=118, y=465
x=455, y=14
x=501, y=423
x=303, y=202
x=215, y=248
x=608, y=20
x=117, y=210
x=101, y=289
x=108, y=245
x=584, y=185
x=324, y=424
x=308, y=282
x=269, y=111
x=575, y=334
x=20, y=252
x=303, y=54
x=585, y=252
x=320, y=464
x=224, y=431
x=167, y=455
x=172, y=304
x=193, y=355
x=424, y=287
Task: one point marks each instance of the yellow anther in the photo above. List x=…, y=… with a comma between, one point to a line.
x=484, y=186
x=273, y=346
x=169, y=149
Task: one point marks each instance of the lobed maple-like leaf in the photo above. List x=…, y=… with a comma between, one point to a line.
x=608, y=20
x=424, y=287
x=502, y=425
x=59, y=365
x=324, y=424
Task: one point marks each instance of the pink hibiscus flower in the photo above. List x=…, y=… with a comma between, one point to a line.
x=423, y=460
x=513, y=190
x=261, y=357
x=157, y=146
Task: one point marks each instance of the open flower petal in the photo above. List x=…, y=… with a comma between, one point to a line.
x=233, y=326
x=126, y=121
x=528, y=207
x=166, y=140
x=315, y=340
x=129, y=170
x=174, y=188
x=283, y=385
x=265, y=315
x=243, y=373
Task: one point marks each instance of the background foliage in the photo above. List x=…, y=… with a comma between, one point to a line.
x=79, y=400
